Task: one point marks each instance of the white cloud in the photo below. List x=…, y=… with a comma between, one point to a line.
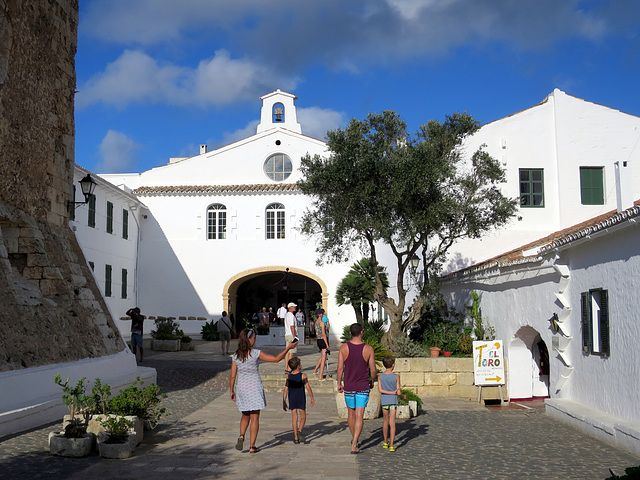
x=135, y=77
x=317, y=121
x=118, y=152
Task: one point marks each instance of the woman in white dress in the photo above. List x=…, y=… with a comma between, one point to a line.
x=248, y=392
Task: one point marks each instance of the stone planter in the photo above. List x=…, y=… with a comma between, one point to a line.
x=95, y=427
x=185, y=346
x=373, y=407
x=165, y=345
x=70, y=447
x=116, y=450
x=413, y=406
x=403, y=412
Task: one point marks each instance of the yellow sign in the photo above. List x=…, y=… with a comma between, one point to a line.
x=488, y=362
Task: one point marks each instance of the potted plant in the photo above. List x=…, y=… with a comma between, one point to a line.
x=210, y=331
x=165, y=336
x=118, y=439
x=139, y=401
x=73, y=441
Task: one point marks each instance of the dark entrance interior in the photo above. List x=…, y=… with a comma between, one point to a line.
x=272, y=289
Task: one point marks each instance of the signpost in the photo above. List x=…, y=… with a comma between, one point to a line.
x=488, y=365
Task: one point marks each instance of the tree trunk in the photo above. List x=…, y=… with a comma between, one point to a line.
x=365, y=313
x=356, y=308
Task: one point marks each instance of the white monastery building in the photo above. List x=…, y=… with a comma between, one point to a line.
x=219, y=231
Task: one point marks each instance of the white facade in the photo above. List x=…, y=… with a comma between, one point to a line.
x=110, y=243
x=596, y=391
x=187, y=274
x=558, y=136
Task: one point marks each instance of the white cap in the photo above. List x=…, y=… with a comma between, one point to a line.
x=291, y=304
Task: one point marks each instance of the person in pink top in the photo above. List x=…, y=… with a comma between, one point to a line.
x=356, y=361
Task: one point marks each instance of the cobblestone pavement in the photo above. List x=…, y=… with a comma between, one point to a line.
x=451, y=439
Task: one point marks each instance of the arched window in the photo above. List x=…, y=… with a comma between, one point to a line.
x=275, y=221
x=278, y=113
x=278, y=167
x=217, y=222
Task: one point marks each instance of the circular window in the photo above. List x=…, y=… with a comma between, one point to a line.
x=278, y=167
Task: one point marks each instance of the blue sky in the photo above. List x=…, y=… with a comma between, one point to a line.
x=157, y=78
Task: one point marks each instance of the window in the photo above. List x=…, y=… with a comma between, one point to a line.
x=531, y=187
x=124, y=283
x=91, y=215
x=595, y=322
x=278, y=113
x=592, y=185
x=278, y=167
x=217, y=222
x=107, y=280
x=92, y=266
x=275, y=221
x=109, y=217
x=125, y=224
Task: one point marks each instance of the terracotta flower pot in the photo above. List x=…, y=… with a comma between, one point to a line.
x=435, y=351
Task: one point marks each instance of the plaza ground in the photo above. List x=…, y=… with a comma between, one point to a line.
x=450, y=439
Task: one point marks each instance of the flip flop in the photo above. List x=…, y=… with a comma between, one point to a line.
x=240, y=442
x=385, y=445
x=301, y=437
x=254, y=450
x=355, y=452
x=296, y=441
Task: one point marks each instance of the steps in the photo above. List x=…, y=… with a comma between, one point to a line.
x=275, y=383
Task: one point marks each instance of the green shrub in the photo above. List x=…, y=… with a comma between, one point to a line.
x=404, y=347
x=140, y=402
x=99, y=401
x=410, y=397
x=210, y=331
x=166, y=329
x=116, y=427
x=632, y=473
x=76, y=400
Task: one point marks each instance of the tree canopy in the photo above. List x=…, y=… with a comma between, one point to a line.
x=358, y=288
x=414, y=194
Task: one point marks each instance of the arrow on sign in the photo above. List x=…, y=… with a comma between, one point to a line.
x=496, y=379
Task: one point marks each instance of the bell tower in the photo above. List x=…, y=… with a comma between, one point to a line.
x=278, y=110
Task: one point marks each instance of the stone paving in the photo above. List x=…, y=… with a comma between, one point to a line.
x=451, y=439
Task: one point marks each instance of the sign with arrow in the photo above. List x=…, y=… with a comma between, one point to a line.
x=488, y=363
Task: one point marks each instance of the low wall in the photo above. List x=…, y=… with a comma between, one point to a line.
x=443, y=377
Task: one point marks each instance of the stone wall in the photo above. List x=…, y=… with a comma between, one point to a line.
x=443, y=377
x=50, y=308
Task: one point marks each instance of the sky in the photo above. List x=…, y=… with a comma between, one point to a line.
x=158, y=78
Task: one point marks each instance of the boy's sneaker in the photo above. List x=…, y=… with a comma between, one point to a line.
x=392, y=449
x=385, y=445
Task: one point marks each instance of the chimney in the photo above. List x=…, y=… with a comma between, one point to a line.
x=624, y=185
x=203, y=149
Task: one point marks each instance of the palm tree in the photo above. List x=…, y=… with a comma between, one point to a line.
x=358, y=287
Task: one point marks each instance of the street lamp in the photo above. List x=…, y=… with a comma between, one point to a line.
x=415, y=261
x=87, y=185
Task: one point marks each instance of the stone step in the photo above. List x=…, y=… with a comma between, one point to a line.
x=275, y=383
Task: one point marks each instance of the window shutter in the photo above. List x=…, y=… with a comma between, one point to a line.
x=604, y=322
x=586, y=330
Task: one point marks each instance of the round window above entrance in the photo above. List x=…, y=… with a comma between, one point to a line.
x=278, y=167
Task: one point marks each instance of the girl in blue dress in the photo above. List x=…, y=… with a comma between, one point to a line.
x=294, y=392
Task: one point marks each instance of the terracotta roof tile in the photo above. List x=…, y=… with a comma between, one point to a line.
x=217, y=189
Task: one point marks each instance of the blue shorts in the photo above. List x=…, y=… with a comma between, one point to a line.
x=357, y=399
x=136, y=340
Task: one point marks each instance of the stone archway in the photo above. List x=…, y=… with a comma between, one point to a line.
x=278, y=277
x=528, y=374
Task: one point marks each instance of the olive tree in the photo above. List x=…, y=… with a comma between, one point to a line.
x=378, y=185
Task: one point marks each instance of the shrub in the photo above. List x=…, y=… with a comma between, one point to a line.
x=116, y=427
x=210, y=331
x=410, y=397
x=140, y=402
x=75, y=398
x=166, y=329
x=405, y=347
x=99, y=401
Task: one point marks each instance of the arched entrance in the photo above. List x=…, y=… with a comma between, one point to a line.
x=528, y=365
x=251, y=290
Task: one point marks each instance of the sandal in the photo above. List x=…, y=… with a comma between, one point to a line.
x=240, y=442
x=254, y=450
x=296, y=441
x=385, y=445
x=301, y=437
x=392, y=449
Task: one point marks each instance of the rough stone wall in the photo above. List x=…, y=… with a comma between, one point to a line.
x=50, y=307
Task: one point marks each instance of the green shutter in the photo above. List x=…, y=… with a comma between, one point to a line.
x=586, y=324
x=91, y=218
x=107, y=280
x=592, y=185
x=124, y=283
x=604, y=322
x=109, y=217
x=125, y=224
